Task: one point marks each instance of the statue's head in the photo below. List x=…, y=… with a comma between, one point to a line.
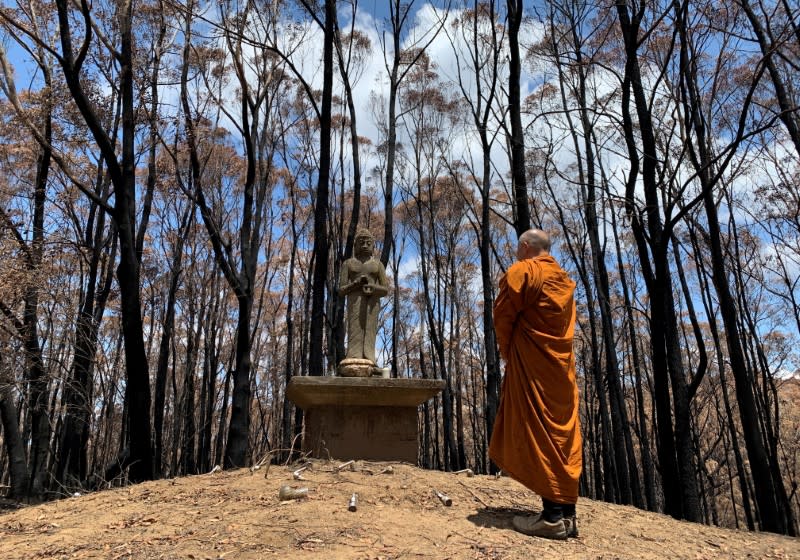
x=364, y=243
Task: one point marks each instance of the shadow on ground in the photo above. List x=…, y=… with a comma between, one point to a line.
x=499, y=518
x=8, y=505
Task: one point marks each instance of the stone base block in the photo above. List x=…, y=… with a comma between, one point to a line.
x=361, y=418
x=375, y=433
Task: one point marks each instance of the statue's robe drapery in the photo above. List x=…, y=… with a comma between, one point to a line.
x=536, y=437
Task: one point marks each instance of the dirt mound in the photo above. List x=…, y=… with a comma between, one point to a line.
x=238, y=514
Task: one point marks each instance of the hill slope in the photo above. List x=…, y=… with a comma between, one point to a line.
x=237, y=514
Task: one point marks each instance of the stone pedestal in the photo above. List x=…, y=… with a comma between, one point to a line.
x=361, y=417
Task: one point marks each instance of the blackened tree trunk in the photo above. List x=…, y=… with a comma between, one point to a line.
x=236, y=454
x=483, y=55
x=402, y=61
x=337, y=345
x=675, y=445
x=36, y=374
x=189, y=441
x=36, y=385
x=137, y=388
x=435, y=328
x=166, y=339
x=219, y=443
x=320, y=250
x=398, y=13
x=208, y=393
x=741, y=473
x=289, y=364
x=455, y=351
x=619, y=419
x=123, y=176
x=72, y=463
x=644, y=438
x=252, y=103
x=612, y=410
x=153, y=123
x=773, y=504
x=606, y=478
x=766, y=395
x=522, y=214
x=15, y=447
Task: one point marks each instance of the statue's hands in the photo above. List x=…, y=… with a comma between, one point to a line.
x=366, y=286
x=349, y=288
x=371, y=289
x=362, y=283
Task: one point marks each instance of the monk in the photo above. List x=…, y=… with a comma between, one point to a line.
x=536, y=437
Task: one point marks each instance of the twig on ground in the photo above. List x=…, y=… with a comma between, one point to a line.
x=350, y=464
x=298, y=474
x=474, y=495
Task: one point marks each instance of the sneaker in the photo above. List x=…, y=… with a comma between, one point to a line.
x=571, y=524
x=538, y=526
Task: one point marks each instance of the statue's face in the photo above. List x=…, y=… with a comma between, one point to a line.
x=364, y=246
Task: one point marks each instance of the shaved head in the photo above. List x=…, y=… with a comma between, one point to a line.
x=533, y=243
x=536, y=240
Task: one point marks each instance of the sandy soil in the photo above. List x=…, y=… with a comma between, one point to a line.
x=238, y=514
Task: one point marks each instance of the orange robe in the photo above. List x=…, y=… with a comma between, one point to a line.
x=536, y=437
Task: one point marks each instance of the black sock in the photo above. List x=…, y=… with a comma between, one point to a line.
x=552, y=511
